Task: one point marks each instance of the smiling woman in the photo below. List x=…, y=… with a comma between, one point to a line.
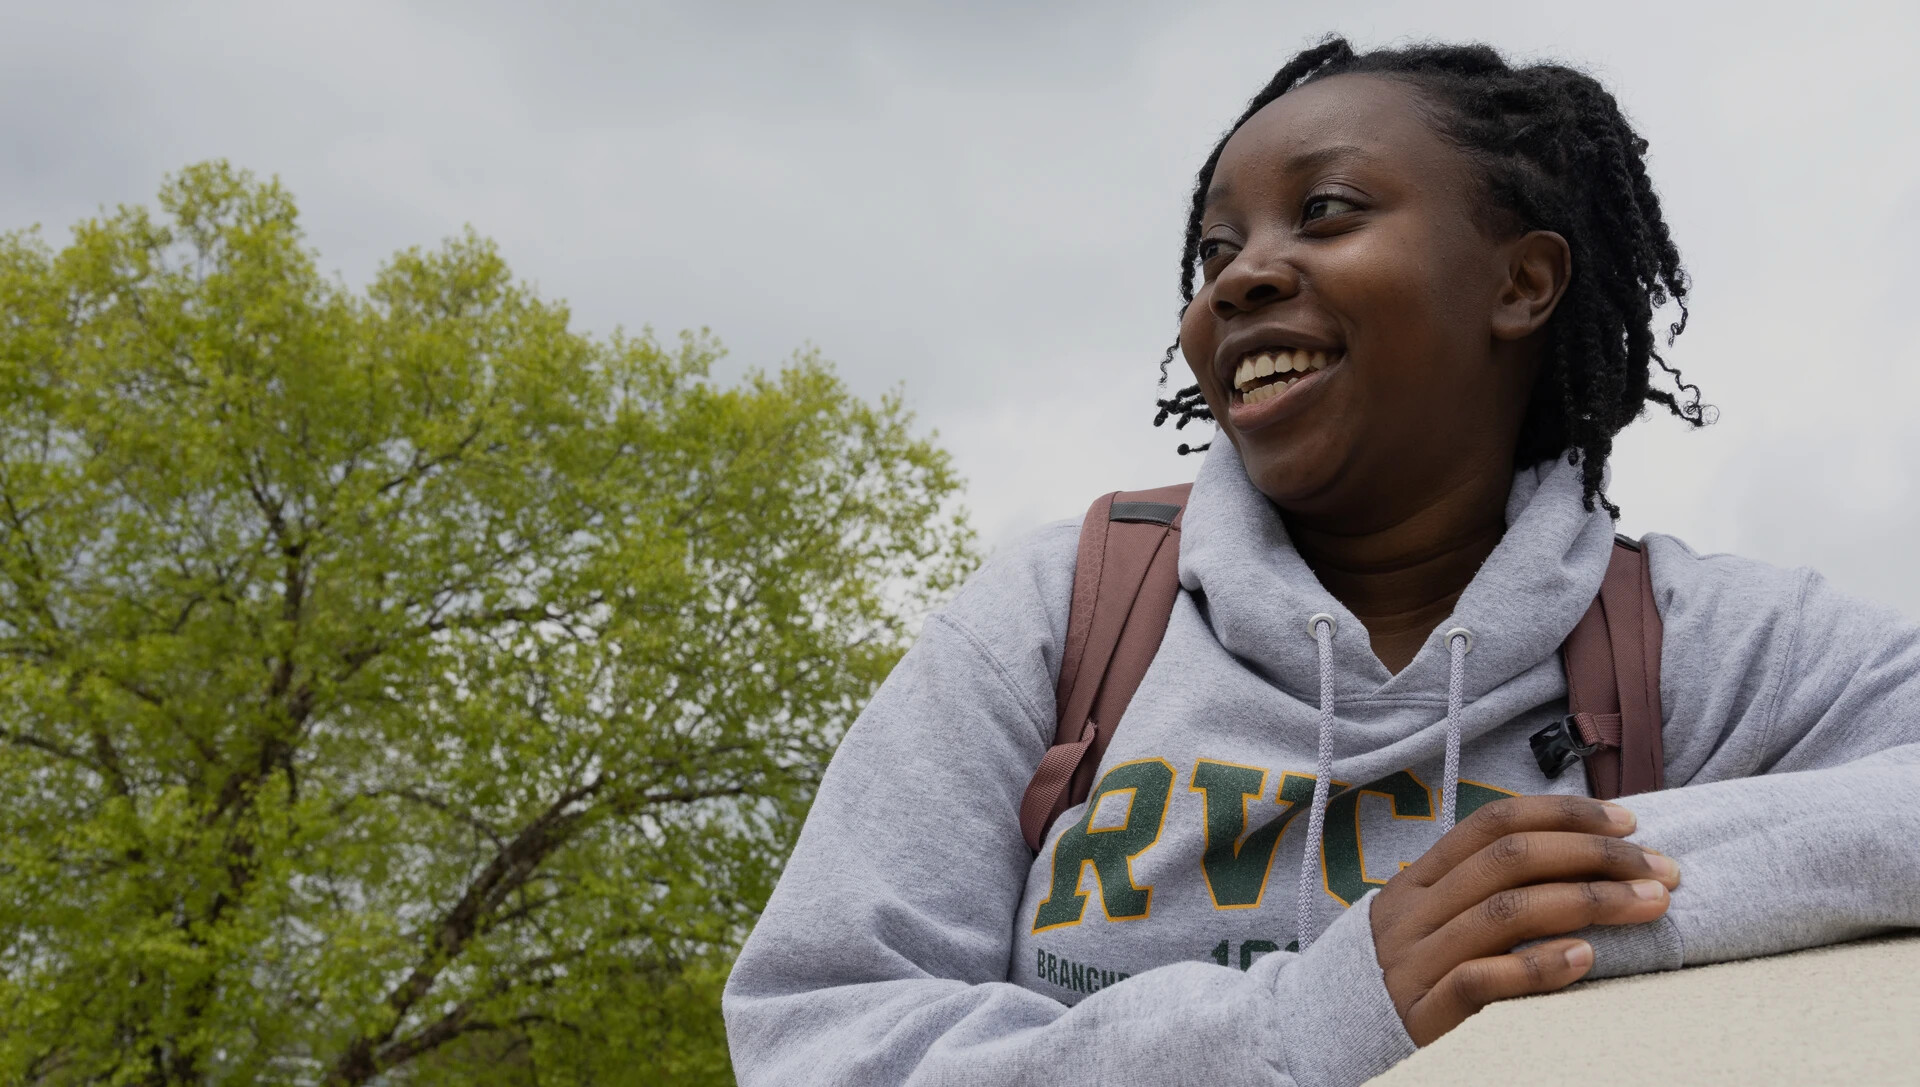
x=1423, y=211
x=1426, y=291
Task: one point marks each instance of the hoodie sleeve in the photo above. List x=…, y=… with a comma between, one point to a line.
x=883, y=953
x=1793, y=722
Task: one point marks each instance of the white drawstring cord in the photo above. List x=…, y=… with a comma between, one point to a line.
x=1322, y=627
x=1459, y=644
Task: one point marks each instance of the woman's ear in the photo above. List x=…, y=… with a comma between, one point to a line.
x=1539, y=265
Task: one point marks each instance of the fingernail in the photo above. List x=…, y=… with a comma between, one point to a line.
x=1620, y=817
x=1647, y=888
x=1580, y=955
x=1663, y=866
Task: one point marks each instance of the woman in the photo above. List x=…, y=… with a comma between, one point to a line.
x=1427, y=288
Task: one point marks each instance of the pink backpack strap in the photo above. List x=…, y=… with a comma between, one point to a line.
x=1125, y=581
x=1613, y=686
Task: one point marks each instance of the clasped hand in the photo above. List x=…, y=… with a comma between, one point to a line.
x=1523, y=869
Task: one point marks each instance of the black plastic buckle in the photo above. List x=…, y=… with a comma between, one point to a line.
x=1558, y=746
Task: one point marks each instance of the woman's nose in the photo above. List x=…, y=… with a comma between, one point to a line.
x=1254, y=280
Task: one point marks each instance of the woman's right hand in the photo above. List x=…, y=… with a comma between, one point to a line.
x=1516, y=870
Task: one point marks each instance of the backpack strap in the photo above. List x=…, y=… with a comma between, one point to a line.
x=1125, y=580
x=1613, y=686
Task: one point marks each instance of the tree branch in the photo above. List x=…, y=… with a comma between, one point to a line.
x=24, y=739
x=467, y=819
x=461, y=923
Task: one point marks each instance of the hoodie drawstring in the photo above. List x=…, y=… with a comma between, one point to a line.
x=1459, y=644
x=1322, y=627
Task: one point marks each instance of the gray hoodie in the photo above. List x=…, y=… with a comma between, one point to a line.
x=914, y=939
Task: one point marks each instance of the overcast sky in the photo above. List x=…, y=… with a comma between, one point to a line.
x=981, y=203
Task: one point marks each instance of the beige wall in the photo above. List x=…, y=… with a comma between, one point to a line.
x=1845, y=1014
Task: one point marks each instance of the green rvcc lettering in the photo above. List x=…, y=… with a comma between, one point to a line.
x=1236, y=871
x=1109, y=851
x=1472, y=796
x=1346, y=876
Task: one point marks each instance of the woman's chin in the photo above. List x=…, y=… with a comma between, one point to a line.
x=1287, y=483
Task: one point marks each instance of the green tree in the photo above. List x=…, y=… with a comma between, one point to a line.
x=400, y=686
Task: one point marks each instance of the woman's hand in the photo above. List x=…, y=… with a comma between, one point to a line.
x=1516, y=870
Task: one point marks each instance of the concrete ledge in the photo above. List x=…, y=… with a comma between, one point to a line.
x=1848, y=1013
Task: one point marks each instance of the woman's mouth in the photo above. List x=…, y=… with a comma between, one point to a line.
x=1267, y=376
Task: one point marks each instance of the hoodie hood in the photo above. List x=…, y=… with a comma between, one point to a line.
x=1259, y=593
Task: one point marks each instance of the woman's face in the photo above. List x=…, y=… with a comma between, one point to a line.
x=1360, y=336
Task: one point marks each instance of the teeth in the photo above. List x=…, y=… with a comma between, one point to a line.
x=1265, y=393
x=1268, y=363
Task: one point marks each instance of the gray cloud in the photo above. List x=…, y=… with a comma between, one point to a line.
x=981, y=203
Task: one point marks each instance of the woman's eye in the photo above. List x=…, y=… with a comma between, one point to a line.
x=1319, y=207
x=1210, y=248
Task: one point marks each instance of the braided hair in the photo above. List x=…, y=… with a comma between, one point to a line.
x=1554, y=153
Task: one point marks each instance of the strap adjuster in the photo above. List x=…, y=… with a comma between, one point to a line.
x=1559, y=745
